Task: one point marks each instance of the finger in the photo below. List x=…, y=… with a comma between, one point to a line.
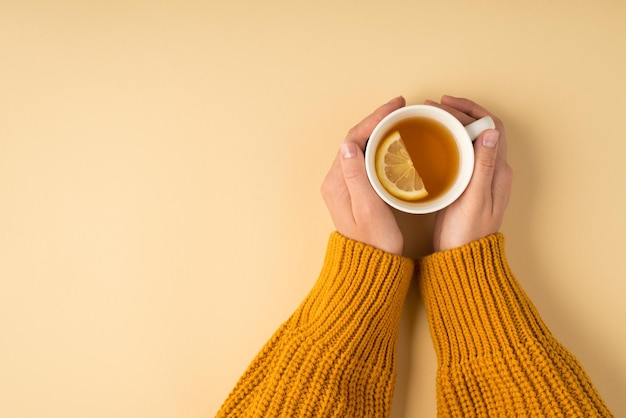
x=362, y=196
x=336, y=195
x=360, y=133
x=464, y=118
x=477, y=111
x=466, y=106
x=486, y=151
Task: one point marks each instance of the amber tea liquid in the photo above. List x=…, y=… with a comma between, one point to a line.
x=434, y=153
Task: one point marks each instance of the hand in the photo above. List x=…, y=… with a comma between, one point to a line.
x=480, y=209
x=357, y=211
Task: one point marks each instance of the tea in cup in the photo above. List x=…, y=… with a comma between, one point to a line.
x=420, y=158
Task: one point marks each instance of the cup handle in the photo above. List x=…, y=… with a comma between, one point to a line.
x=475, y=128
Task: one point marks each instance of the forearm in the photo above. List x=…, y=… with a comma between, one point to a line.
x=336, y=354
x=495, y=354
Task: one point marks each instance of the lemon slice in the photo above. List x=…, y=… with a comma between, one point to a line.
x=396, y=170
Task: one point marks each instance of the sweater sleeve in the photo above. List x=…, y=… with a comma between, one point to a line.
x=496, y=357
x=335, y=356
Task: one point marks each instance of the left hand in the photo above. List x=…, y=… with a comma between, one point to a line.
x=357, y=211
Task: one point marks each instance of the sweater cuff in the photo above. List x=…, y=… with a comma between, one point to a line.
x=475, y=305
x=360, y=291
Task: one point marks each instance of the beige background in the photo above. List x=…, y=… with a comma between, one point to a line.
x=160, y=164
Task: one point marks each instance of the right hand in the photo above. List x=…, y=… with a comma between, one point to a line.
x=480, y=209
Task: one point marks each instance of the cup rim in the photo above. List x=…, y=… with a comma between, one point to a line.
x=463, y=143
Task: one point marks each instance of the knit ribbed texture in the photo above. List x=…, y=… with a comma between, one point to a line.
x=495, y=355
x=335, y=356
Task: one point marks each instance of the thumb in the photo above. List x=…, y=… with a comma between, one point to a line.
x=353, y=167
x=486, y=151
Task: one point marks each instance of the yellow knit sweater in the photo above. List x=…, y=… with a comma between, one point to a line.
x=335, y=356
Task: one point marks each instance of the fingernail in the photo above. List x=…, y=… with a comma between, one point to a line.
x=490, y=138
x=348, y=149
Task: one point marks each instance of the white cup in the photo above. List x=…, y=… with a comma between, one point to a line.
x=463, y=137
